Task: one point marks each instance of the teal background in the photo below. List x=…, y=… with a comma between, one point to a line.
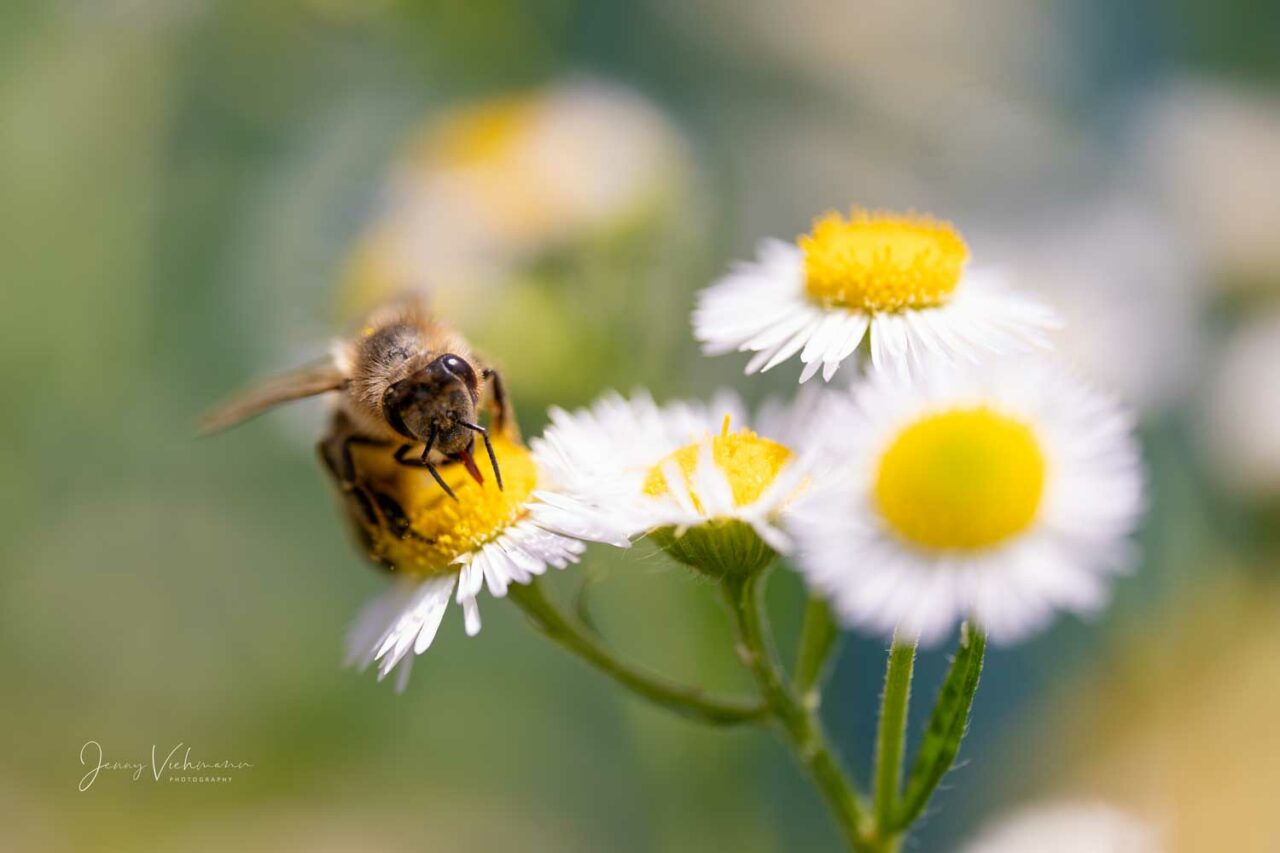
x=164, y=167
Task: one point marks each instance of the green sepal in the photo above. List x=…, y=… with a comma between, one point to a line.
x=719, y=549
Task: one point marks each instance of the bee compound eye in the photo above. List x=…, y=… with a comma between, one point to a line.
x=393, y=400
x=458, y=367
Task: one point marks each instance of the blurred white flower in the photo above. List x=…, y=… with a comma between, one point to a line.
x=1242, y=424
x=1067, y=827
x=492, y=183
x=1124, y=288
x=900, y=281
x=486, y=536
x=1212, y=151
x=1001, y=494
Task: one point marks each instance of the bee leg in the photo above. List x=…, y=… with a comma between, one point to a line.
x=360, y=497
x=364, y=537
x=348, y=463
x=402, y=457
x=397, y=521
x=488, y=446
x=500, y=407
x=368, y=498
x=343, y=472
x=360, y=504
x=387, y=505
x=395, y=516
x=364, y=495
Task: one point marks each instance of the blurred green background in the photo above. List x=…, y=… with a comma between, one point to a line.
x=187, y=191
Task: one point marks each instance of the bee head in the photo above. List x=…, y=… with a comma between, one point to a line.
x=436, y=400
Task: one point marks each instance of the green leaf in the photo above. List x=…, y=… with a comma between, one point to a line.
x=947, y=726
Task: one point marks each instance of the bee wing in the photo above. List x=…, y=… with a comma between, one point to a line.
x=294, y=385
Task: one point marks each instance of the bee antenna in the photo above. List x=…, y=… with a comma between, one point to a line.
x=488, y=446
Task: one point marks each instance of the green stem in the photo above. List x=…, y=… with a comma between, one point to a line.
x=800, y=725
x=891, y=738
x=688, y=701
x=818, y=635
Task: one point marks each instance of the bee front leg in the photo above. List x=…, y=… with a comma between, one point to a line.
x=500, y=404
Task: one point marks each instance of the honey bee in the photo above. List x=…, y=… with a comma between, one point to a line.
x=406, y=382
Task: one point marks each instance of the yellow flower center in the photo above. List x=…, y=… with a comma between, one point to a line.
x=961, y=480
x=442, y=529
x=750, y=463
x=478, y=135
x=881, y=262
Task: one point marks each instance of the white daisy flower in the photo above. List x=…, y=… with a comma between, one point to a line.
x=709, y=489
x=487, y=537
x=1068, y=827
x=901, y=280
x=999, y=495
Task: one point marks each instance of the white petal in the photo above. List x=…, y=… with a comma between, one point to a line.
x=471, y=616
x=416, y=623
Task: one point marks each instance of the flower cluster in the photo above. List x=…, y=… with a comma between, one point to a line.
x=949, y=482
x=949, y=485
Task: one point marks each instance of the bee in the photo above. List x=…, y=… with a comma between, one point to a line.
x=408, y=383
